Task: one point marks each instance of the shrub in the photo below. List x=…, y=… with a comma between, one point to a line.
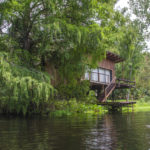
x=91, y=98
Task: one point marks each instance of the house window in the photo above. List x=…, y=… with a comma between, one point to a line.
x=99, y=75
x=104, y=75
x=94, y=75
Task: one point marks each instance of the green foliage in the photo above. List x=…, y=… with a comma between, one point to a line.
x=22, y=88
x=143, y=79
x=91, y=98
x=145, y=99
x=74, y=106
x=142, y=106
x=131, y=45
x=72, y=90
x=68, y=35
x=140, y=8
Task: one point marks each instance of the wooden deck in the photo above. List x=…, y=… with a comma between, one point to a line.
x=117, y=104
x=123, y=83
x=120, y=84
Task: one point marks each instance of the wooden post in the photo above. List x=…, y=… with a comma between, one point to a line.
x=98, y=93
x=113, y=96
x=103, y=88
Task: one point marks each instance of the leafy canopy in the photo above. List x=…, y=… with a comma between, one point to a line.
x=66, y=34
x=63, y=32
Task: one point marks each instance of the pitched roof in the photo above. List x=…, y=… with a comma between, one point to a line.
x=113, y=57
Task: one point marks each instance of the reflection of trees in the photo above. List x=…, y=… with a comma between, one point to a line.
x=103, y=136
x=44, y=134
x=120, y=132
x=110, y=132
x=132, y=131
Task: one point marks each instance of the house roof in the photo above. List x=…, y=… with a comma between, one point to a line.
x=114, y=57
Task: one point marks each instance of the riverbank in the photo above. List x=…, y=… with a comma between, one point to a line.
x=73, y=106
x=142, y=106
x=59, y=108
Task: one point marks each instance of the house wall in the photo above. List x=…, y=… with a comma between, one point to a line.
x=55, y=79
x=108, y=64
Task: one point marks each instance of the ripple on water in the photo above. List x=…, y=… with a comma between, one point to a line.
x=108, y=132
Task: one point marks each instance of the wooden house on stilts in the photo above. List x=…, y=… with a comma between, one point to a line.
x=103, y=79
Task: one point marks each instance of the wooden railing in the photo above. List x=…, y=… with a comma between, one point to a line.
x=108, y=90
x=111, y=84
x=126, y=82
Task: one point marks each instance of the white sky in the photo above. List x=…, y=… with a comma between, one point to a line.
x=122, y=3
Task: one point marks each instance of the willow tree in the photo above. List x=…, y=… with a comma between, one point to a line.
x=23, y=88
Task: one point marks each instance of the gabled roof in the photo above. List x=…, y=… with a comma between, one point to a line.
x=114, y=57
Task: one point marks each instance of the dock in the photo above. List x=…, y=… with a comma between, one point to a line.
x=117, y=105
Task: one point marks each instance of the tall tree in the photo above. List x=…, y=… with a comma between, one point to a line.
x=66, y=34
x=63, y=32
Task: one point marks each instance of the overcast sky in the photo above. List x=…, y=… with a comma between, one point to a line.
x=122, y=3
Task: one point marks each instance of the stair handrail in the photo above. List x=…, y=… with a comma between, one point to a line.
x=112, y=81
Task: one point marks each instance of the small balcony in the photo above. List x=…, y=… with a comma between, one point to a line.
x=124, y=83
x=97, y=78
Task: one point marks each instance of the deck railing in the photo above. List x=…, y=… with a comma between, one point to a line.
x=126, y=82
x=101, y=78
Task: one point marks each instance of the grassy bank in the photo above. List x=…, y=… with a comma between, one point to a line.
x=74, y=107
x=71, y=107
x=142, y=106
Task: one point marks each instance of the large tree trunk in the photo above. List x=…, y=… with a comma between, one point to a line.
x=52, y=71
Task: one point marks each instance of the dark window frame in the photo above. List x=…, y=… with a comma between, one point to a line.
x=99, y=74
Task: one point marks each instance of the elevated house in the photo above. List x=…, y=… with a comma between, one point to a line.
x=103, y=79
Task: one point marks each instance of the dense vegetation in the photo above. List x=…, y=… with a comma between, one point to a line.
x=140, y=8
x=61, y=37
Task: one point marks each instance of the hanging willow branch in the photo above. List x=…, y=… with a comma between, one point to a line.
x=19, y=87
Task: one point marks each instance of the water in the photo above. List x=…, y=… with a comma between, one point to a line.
x=130, y=131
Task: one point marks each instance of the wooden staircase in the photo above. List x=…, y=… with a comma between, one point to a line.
x=108, y=90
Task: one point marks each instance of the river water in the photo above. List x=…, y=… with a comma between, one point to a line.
x=128, y=131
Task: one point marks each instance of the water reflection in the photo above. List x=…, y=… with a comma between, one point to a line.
x=103, y=136
x=120, y=132
x=108, y=132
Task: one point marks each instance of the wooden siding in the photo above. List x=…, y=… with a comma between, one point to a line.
x=108, y=64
